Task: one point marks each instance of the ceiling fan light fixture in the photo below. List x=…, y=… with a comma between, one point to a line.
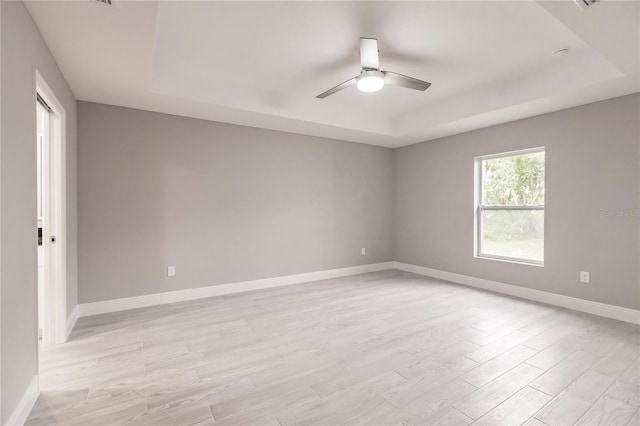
x=370, y=81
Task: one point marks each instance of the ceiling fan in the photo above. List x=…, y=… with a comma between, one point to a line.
x=371, y=79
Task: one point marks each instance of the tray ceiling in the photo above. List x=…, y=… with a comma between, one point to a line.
x=261, y=64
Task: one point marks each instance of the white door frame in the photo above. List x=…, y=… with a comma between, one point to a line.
x=55, y=312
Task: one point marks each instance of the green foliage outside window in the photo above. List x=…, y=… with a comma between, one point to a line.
x=513, y=181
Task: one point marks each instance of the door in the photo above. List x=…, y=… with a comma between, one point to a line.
x=50, y=220
x=43, y=161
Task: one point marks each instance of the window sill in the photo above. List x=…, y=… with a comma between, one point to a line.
x=510, y=260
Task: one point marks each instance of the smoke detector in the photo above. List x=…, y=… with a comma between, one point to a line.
x=583, y=4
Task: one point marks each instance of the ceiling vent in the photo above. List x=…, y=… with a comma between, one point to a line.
x=106, y=2
x=583, y=4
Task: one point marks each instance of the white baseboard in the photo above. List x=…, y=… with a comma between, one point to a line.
x=20, y=414
x=116, y=305
x=582, y=305
x=71, y=321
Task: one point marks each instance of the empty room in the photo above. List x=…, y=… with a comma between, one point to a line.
x=285, y=213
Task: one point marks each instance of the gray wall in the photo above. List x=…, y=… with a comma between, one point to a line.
x=222, y=203
x=23, y=51
x=226, y=203
x=592, y=165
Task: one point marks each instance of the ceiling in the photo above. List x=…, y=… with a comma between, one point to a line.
x=261, y=64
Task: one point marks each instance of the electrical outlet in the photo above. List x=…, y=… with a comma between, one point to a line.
x=584, y=277
x=363, y=251
x=171, y=271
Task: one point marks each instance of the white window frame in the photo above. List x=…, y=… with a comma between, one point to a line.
x=479, y=207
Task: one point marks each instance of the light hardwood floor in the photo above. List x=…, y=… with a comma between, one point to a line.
x=378, y=349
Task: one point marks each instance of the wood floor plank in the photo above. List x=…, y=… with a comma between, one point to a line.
x=635, y=419
x=627, y=387
x=418, y=409
x=447, y=417
x=607, y=411
x=557, y=352
x=267, y=409
x=517, y=409
x=497, y=347
x=499, y=365
x=609, y=339
x=240, y=403
x=200, y=393
x=357, y=412
x=575, y=400
x=429, y=376
x=534, y=422
x=620, y=358
x=564, y=373
x=190, y=415
x=366, y=371
x=366, y=389
x=495, y=392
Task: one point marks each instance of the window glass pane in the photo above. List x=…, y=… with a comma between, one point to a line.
x=516, y=180
x=513, y=233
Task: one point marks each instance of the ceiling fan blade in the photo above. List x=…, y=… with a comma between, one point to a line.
x=338, y=88
x=396, y=79
x=369, y=53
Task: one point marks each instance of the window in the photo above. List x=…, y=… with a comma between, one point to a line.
x=510, y=206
